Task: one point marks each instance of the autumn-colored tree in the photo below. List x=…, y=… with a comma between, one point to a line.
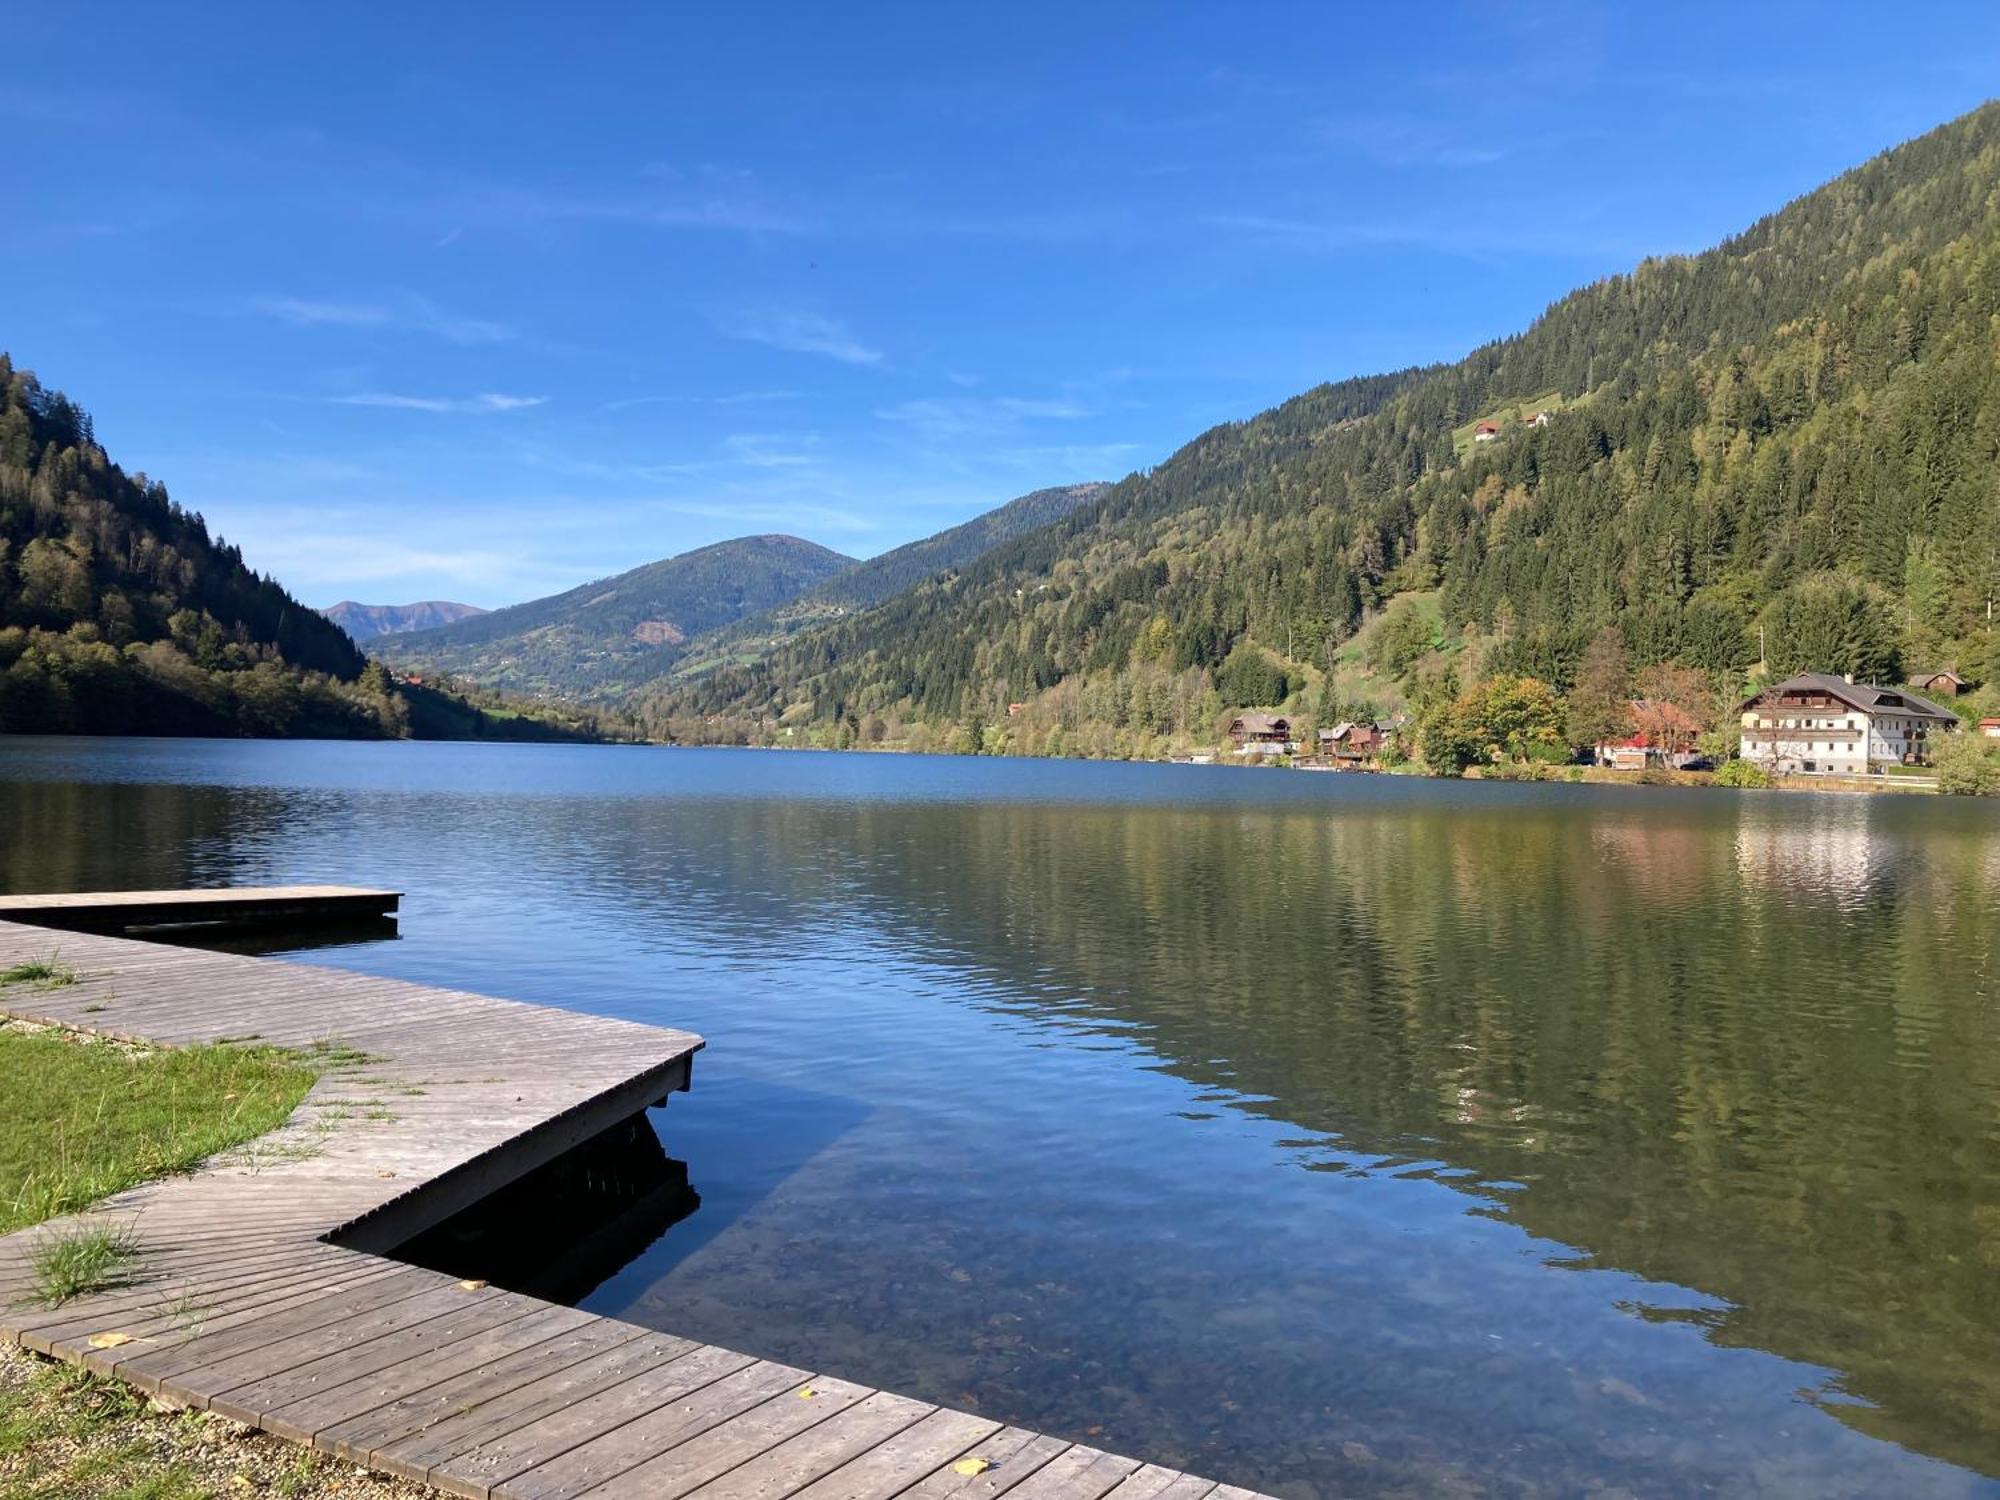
x=1600, y=705
x=1675, y=707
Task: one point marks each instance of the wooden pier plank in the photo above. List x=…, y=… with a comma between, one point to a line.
x=895, y=1464
x=380, y=1436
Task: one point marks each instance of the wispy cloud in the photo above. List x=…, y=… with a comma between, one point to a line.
x=801, y=331
x=732, y=398
x=305, y=312
x=766, y=450
x=668, y=197
x=943, y=418
x=408, y=313
x=489, y=401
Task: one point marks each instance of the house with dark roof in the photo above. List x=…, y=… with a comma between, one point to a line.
x=1349, y=743
x=1944, y=684
x=1817, y=722
x=1261, y=734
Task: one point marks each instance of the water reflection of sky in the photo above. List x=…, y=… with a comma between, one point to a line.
x=1333, y=1135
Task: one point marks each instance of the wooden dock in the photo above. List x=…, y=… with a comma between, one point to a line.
x=262, y=1293
x=127, y=911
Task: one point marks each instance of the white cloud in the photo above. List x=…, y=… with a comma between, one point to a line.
x=408, y=313
x=802, y=332
x=490, y=401
x=764, y=450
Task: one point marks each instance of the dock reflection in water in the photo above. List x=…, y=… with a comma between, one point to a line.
x=563, y=1230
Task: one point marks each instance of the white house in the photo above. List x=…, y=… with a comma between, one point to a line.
x=1817, y=722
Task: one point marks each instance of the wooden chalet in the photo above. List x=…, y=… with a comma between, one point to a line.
x=1260, y=734
x=1946, y=684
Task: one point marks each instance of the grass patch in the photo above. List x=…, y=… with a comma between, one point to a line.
x=78, y=1262
x=40, y=973
x=82, y=1118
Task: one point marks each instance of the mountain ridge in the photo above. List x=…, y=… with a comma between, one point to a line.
x=600, y=637
x=364, y=622
x=881, y=577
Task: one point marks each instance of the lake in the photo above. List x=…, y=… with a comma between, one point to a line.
x=1331, y=1135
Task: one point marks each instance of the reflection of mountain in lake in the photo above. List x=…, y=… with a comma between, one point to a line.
x=1744, y=1049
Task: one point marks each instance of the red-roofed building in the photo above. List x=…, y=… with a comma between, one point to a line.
x=1485, y=432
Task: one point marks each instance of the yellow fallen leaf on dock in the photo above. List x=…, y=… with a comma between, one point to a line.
x=806, y=1393
x=471, y=1286
x=971, y=1466
x=109, y=1340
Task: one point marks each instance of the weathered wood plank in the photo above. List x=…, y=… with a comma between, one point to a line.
x=1013, y=1454
x=1078, y=1474
x=382, y=1436
x=768, y=1397
x=424, y=1357
x=894, y=1465
x=772, y=1473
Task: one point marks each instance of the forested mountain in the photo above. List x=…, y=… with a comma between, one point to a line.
x=1781, y=452
x=880, y=577
x=120, y=614
x=363, y=622
x=869, y=583
x=602, y=637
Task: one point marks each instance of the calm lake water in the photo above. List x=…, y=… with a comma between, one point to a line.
x=1330, y=1135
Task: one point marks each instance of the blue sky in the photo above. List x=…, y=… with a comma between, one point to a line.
x=479, y=302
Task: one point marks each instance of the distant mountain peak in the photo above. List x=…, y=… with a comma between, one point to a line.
x=367, y=622
x=605, y=635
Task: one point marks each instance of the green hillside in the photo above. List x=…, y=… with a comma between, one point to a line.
x=1789, y=439
x=601, y=638
x=121, y=614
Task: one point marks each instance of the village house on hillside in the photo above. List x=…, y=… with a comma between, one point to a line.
x=1816, y=722
x=1943, y=684
x=1539, y=419
x=1485, y=432
x=1261, y=734
x=1351, y=744
x=1990, y=728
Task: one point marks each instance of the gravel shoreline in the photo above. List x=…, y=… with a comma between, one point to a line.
x=65, y=1435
